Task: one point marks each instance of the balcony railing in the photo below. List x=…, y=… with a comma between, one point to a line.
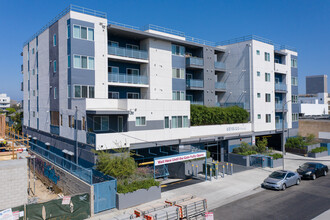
x=197, y=102
x=194, y=61
x=54, y=129
x=195, y=83
x=229, y=104
x=219, y=65
x=220, y=85
x=279, y=106
x=280, y=87
x=279, y=125
x=90, y=138
x=125, y=52
x=127, y=78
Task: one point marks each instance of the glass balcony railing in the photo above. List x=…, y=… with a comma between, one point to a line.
x=229, y=104
x=131, y=53
x=127, y=78
x=195, y=61
x=54, y=129
x=219, y=65
x=220, y=85
x=280, y=87
x=279, y=125
x=195, y=83
x=197, y=102
x=279, y=106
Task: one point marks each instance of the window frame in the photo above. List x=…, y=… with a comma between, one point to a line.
x=141, y=118
x=268, y=116
x=81, y=63
x=87, y=32
x=267, y=97
x=54, y=40
x=133, y=94
x=166, y=120
x=113, y=92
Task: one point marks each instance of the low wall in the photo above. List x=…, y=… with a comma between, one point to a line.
x=14, y=183
x=137, y=197
x=313, y=146
x=278, y=162
x=316, y=155
x=239, y=159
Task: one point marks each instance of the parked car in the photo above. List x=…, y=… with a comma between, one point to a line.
x=281, y=179
x=312, y=170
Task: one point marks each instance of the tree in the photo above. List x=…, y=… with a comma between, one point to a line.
x=17, y=121
x=10, y=111
x=262, y=145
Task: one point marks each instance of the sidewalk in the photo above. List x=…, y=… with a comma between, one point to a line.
x=224, y=190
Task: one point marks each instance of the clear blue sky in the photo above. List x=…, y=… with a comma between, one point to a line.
x=298, y=23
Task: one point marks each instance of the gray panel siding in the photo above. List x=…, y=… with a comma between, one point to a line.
x=316, y=85
x=150, y=125
x=209, y=76
x=178, y=61
x=53, y=77
x=178, y=84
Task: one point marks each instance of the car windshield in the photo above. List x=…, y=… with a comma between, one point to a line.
x=277, y=175
x=306, y=166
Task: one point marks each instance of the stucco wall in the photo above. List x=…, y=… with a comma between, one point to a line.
x=313, y=127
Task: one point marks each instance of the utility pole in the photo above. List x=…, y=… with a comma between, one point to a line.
x=76, y=132
x=283, y=127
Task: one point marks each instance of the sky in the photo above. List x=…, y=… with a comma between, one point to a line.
x=302, y=24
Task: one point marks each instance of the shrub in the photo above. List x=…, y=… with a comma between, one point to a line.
x=262, y=145
x=202, y=115
x=245, y=149
x=310, y=139
x=295, y=142
x=276, y=156
x=319, y=150
x=126, y=186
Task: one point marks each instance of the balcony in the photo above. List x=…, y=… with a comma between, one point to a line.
x=196, y=102
x=194, y=62
x=229, y=104
x=127, y=78
x=219, y=66
x=54, y=129
x=22, y=68
x=279, y=125
x=280, y=87
x=280, y=68
x=220, y=85
x=195, y=83
x=122, y=53
x=279, y=107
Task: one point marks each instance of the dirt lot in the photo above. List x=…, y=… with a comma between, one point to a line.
x=41, y=190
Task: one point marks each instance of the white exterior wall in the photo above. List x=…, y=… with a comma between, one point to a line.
x=4, y=101
x=33, y=85
x=260, y=106
x=313, y=109
x=26, y=95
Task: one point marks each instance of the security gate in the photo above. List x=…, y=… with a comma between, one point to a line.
x=105, y=195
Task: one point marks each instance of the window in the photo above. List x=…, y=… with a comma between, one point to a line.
x=294, y=63
x=294, y=81
x=55, y=92
x=259, y=116
x=267, y=77
x=133, y=95
x=33, y=72
x=69, y=61
x=34, y=93
x=61, y=119
x=68, y=31
x=267, y=56
x=114, y=44
x=32, y=50
x=54, y=66
x=84, y=92
x=69, y=91
x=258, y=95
x=54, y=118
x=140, y=121
x=69, y=120
x=294, y=99
x=113, y=95
x=113, y=69
x=267, y=97
x=178, y=95
x=132, y=47
x=54, y=40
x=91, y=92
x=166, y=122
x=77, y=91
x=258, y=73
x=83, y=33
x=268, y=118
x=185, y=121
x=83, y=123
x=258, y=52
x=174, y=121
x=80, y=62
x=34, y=114
x=178, y=50
x=180, y=121
x=178, y=73
x=101, y=123
x=295, y=116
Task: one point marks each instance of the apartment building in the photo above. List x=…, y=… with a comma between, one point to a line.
x=4, y=101
x=109, y=85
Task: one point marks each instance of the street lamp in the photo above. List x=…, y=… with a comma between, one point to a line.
x=283, y=127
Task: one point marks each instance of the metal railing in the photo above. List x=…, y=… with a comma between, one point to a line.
x=279, y=125
x=280, y=87
x=55, y=129
x=200, y=41
x=124, y=25
x=219, y=65
x=162, y=29
x=79, y=171
x=197, y=83
x=125, y=52
x=279, y=106
x=126, y=78
x=195, y=61
x=220, y=85
x=229, y=104
x=64, y=12
x=197, y=102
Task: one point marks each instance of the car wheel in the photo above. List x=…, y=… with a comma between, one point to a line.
x=298, y=181
x=283, y=187
x=313, y=177
x=324, y=173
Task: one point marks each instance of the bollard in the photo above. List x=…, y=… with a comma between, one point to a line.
x=231, y=169
x=227, y=168
x=210, y=174
x=216, y=172
x=223, y=171
x=196, y=170
x=192, y=169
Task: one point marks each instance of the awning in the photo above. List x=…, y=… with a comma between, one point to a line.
x=68, y=152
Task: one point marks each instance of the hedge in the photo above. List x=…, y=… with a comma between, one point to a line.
x=126, y=187
x=202, y=115
x=319, y=149
x=276, y=156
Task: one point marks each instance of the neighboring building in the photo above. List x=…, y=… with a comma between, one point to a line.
x=4, y=101
x=316, y=84
x=313, y=104
x=124, y=86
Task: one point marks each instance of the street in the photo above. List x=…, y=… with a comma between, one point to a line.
x=306, y=201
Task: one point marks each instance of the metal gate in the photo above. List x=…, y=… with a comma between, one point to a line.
x=256, y=161
x=105, y=195
x=161, y=171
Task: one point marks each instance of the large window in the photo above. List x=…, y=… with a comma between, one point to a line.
x=83, y=62
x=133, y=95
x=178, y=73
x=101, y=123
x=267, y=77
x=113, y=95
x=294, y=81
x=83, y=91
x=178, y=95
x=294, y=63
x=166, y=122
x=178, y=50
x=267, y=56
x=268, y=118
x=140, y=121
x=295, y=116
x=81, y=32
x=294, y=99
x=267, y=97
x=54, y=118
x=180, y=122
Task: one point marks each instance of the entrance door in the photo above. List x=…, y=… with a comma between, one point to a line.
x=120, y=124
x=104, y=195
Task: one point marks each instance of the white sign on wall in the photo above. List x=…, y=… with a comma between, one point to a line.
x=179, y=158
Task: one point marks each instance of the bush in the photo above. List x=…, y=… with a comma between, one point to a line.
x=126, y=187
x=262, y=145
x=319, y=150
x=245, y=149
x=310, y=139
x=276, y=156
x=202, y=115
x=295, y=142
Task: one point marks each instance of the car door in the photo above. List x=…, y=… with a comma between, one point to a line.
x=318, y=170
x=290, y=179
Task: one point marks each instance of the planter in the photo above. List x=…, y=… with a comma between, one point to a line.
x=316, y=155
x=313, y=146
x=137, y=197
x=297, y=151
x=278, y=162
x=239, y=159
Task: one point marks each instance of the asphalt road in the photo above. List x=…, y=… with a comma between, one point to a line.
x=306, y=201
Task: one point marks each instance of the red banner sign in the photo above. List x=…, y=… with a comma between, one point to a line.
x=179, y=158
